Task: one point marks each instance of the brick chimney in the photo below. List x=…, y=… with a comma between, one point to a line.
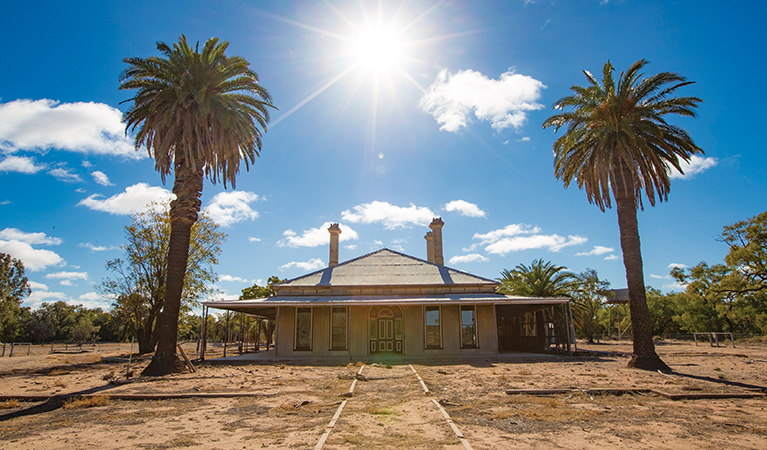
x=429, y=246
x=436, y=229
x=334, y=231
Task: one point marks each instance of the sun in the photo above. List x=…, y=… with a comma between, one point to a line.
x=377, y=49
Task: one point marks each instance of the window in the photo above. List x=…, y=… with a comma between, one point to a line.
x=468, y=326
x=432, y=329
x=303, y=328
x=338, y=328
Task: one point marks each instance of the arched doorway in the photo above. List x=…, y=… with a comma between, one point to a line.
x=385, y=330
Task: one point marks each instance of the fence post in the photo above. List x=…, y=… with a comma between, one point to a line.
x=4, y=344
x=732, y=339
x=11, y=352
x=29, y=348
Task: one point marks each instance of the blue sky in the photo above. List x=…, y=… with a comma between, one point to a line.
x=449, y=124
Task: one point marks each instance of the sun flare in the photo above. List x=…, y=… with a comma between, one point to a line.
x=377, y=48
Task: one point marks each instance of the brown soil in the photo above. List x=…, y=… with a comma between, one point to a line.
x=292, y=405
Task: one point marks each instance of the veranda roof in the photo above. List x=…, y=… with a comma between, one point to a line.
x=254, y=305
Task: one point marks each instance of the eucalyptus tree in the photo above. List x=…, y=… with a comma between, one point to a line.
x=618, y=143
x=199, y=113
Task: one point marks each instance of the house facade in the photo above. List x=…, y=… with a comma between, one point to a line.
x=391, y=305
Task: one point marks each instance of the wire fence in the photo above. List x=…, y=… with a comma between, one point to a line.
x=192, y=348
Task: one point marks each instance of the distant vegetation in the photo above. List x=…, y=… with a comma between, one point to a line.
x=730, y=297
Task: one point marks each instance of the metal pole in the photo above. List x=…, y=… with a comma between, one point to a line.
x=29, y=348
x=204, y=332
x=572, y=325
x=130, y=357
x=567, y=331
x=226, y=333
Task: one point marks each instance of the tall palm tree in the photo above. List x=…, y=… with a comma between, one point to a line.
x=540, y=279
x=618, y=141
x=199, y=113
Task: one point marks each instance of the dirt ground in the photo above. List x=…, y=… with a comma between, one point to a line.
x=290, y=406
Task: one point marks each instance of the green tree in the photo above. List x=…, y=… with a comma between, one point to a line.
x=540, y=279
x=618, y=142
x=139, y=278
x=199, y=113
x=257, y=291
x=664, y=310
x=588, y=293
x=14, y=286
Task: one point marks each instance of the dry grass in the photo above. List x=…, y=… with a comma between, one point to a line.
x=372, y=409
x=86, y=402
x=525, y=371
x=57, y=372
x=10, y=403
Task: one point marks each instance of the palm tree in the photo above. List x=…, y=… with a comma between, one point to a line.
x=537, y=280
x=618, y=142
x=199, y=113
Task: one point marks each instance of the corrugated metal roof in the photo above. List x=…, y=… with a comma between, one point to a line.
x=385, y=268
x=341, y=300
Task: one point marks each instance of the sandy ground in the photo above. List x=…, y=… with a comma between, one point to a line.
x=290, y=406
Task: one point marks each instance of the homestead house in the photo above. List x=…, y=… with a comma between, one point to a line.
x=389, y=304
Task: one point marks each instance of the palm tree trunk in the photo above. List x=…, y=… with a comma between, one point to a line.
x=183, y=214
x=644, y=356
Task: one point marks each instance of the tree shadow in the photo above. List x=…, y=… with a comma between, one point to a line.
x=53, y=403
x=719, y=381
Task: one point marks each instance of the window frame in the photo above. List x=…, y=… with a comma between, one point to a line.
x=311, y=329
x=439, y=319
x=473, y=308
x=346, y=328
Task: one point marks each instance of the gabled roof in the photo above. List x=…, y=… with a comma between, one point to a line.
x=386, y=268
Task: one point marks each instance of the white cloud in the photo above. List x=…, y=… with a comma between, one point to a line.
x=38, y=297
x=87, y=164
x=509, y=230
x=96, y=248
x=597, y=250
x=473, y=257
x=14, y=234
x=674, y=265
x=312, y=264
x=315, y=237
x=677, y=286
x=68, y=275
x=20, y=164
x=697, y=164
x=524, y=139
x=465, y=208
x=519, y=236
x=660, y=277
x=378, y=243
x=350, y=247
x=33, y=259
x=611, y=257
x=93, y=300
x=66, y=283
x=391, y=216
x=133, y=199
x=552, y=242
x=78, y=127
x=254, y=239
x=503, y=102
x=232, y=279
x=227, y=208
x=36, y=285
x=101, y=178
x=65, y=174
